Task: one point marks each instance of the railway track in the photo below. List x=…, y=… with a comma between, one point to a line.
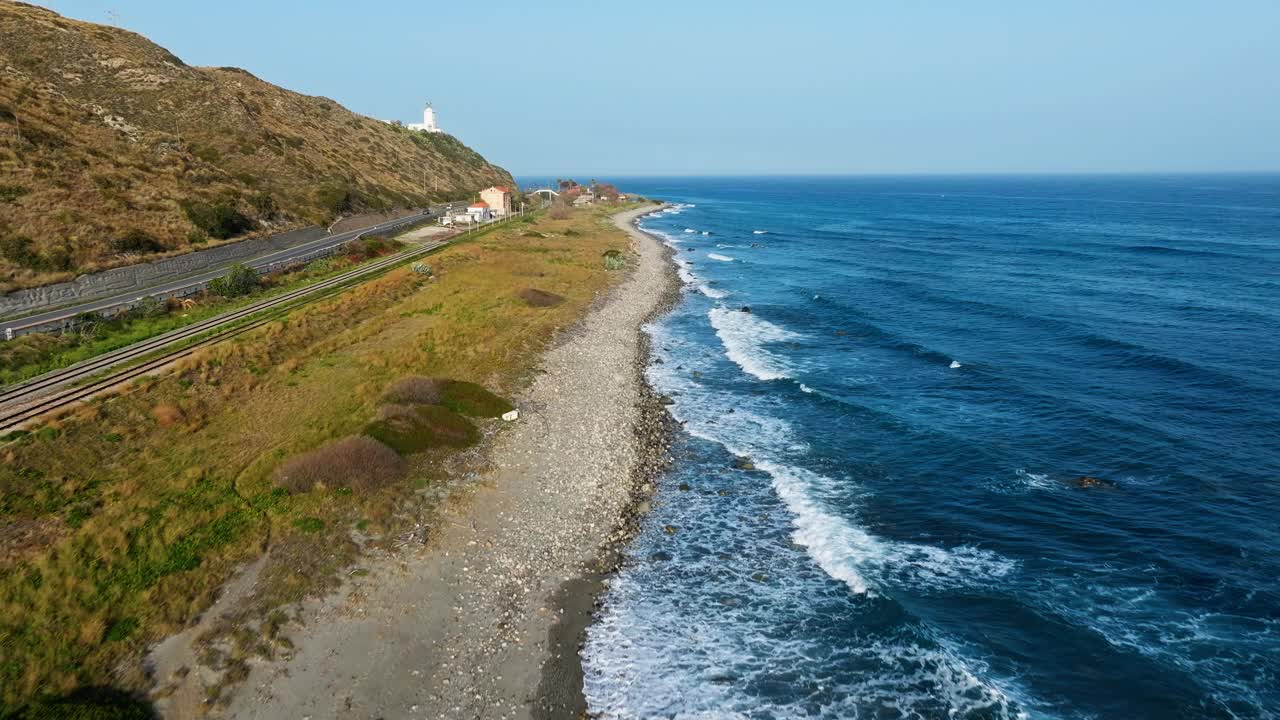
x=25, y=401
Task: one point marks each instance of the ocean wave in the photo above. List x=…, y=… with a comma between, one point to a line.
x=718, y=256
x=744, y=336
x=711, y=292
x=849, y=553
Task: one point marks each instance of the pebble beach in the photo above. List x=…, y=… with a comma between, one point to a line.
x=486, y=618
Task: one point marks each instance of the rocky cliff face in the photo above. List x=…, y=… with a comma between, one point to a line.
x=112, y=150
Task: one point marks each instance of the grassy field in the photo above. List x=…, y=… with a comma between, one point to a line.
x=119, y=521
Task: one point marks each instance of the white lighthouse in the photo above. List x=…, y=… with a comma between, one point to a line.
x=428, y=121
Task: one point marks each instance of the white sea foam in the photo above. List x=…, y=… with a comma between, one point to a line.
x=706, y=232
x=848, y=553
x=954, y=364
x=711, y=292
x=744, y=336
x=759, y=232
x=805, y=388
x=718, y=256
x=690, y=230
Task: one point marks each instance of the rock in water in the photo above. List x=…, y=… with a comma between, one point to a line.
x=1089, y=481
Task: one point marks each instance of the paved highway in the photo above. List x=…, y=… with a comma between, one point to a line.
x=187, y=285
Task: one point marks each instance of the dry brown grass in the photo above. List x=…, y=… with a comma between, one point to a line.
x=357, y=462
x=104, y=135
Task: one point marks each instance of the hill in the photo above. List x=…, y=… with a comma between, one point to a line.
x=113, y=150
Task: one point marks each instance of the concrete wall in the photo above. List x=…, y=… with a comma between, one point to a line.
x=137, y=278
x=142, y=276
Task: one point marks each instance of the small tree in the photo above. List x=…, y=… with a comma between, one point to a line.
x=239, y=280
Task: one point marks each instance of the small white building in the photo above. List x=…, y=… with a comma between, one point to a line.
x=428, y=123
x=480, y=211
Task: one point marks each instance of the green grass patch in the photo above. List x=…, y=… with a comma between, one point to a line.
x=473, y=400
x=422, y=428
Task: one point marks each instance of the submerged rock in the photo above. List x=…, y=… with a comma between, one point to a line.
x=1088, y=481
x=742, y=463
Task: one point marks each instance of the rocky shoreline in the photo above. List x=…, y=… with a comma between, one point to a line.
x=560, y=691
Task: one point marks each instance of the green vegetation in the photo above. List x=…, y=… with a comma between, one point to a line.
x=414, y=429
x=239, y=280
x=31, y=355
x=132, y=511
x=473, y=400
x=219, y=220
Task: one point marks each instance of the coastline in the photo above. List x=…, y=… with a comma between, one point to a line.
x=485, y=618
x=560, y=691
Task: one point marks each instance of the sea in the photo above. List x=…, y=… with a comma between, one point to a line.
x=959, y=447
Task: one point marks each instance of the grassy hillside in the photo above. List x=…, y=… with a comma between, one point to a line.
x=113, y=150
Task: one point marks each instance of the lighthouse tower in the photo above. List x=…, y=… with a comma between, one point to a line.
x=428, y=121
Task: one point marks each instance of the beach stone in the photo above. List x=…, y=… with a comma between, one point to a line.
x=742, y=463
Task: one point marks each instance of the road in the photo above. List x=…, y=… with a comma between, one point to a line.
x=185, y=286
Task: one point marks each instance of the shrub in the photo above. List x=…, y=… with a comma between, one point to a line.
x=614, y=260
x=539, y=298
x=136, y=241
x=9, y=193
x=558, y=212
x=414, y=389
x=88, y=703
x=18, y=249
x=428, y=426
x=471, y=399
x=239, y=280
x=357, y=462
x=219, y=220
x=264, y=204
x=335, y=199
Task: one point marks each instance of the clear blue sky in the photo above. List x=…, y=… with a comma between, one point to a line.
x=699, y=87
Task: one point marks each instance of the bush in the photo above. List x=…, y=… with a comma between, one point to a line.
x=335, y=199
x=614, y=260
x=136, y=241
x=414, y=389
x=426, y=427
x=534, y=297
x=357, y=462
x=87, y=703
x=9, y=193
x=264, y=204
x=471, y=399
x=19, y=250
x=218, y=220
x=558, y=212
x=239, y=280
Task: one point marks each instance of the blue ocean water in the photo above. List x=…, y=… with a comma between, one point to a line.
x=927, y=369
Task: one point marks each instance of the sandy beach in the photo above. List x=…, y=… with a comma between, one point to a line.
x=484, y=620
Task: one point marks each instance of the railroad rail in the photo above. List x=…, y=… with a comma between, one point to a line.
x=30, y=399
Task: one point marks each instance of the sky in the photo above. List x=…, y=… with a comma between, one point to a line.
x=700, y=87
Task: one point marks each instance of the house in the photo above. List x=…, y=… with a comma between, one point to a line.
x=480, y=211
x=498, y=199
